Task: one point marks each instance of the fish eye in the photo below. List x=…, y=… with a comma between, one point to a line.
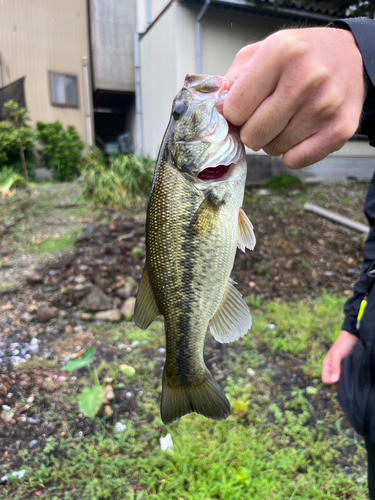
x=179, y=110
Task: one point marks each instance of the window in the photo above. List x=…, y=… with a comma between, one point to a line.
x=64, y=90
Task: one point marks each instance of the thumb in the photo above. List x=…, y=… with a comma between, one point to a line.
x=331, y=369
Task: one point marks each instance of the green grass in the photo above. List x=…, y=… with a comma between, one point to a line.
x=275, y=445
x=65, y=242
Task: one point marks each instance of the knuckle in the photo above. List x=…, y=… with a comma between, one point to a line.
x=330, y=104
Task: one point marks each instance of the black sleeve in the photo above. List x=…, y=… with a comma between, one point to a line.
x=352, y=305
x=363, y=30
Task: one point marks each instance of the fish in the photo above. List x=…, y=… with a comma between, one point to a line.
x=194, y=225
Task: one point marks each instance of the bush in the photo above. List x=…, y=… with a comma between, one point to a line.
x=62, y=149
x=13, y=128
x=283, y=183
x=124, y=182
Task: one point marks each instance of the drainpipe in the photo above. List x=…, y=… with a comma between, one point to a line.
x=87, y=100
x=199, y=36
x=138, y=107
x=1, y=72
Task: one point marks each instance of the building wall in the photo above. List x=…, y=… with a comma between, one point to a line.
x=112, y=37
x=168, y=53
x=38, y=36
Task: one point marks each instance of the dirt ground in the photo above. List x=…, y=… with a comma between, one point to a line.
x=297, y=256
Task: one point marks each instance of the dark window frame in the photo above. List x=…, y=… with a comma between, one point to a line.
x=65, y=104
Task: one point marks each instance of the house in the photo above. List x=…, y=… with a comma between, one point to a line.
x=111, y=68
x=46, y=43
x=191, y=36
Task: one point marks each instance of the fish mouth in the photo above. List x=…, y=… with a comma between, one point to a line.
x=219, y=173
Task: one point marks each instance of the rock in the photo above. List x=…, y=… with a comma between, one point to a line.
x=110, y=315
x=108, y=393
x=96, y=300
x=33, y=444
x=80, y=279
x=119, y=427
x=27, y=316
x=32, y=309
x=9, y=288
x=34, y=278
x=328, y=274
x=45, y=314
x=87, y=316
x=129, y=288
x=128, y=308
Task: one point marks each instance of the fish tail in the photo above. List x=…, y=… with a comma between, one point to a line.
x=205, y=398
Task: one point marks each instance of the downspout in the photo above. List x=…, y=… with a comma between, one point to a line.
x=87, y=100
x=138, y=106
x=198, y=32
x=1, y=72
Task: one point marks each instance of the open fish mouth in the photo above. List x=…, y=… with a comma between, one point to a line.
x=216, y=174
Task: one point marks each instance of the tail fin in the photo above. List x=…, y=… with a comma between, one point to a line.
x=207, y=399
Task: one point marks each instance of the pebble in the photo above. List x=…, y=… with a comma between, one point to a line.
x=27, y=316
x=119, y=427
x=97, y=300
x=45, y=314
x=251, y=372
x=34, y=277
x=33, y=444
x=328, y=274
x=113, y=315
x=128, y=308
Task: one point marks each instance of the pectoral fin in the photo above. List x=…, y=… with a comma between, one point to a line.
x=233, y=319
x=207, y=214
x=146, y=310
x=246, y=236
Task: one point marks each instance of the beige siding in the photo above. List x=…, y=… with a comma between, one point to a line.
x=155, y=9
x=38, y=36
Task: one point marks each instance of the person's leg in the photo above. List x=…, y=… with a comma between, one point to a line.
x=370, y=445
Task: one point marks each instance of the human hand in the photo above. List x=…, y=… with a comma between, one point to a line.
x=340, y=350
x=298, y=93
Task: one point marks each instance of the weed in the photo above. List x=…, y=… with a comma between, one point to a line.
x=283, y=183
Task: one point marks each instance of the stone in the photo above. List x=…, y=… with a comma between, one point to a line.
x=34, y=278
x=8, y=287
x=110, y=315
x=87, y=316
x=97, y=300
x=45, y=314
x=32, y=308
x=26, y=316
x=129, y=288
x=128, y=308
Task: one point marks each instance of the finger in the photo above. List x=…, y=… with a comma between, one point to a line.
x=331, y=370
x=243, y=56
x=313, y=149
x=254, y=84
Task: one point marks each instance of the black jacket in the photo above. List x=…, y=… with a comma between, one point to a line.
x=357, y=382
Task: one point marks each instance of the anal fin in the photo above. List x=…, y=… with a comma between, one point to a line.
x=146, y=310
x=246, y=237
x=232, y=320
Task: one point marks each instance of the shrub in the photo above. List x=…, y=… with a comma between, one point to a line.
x=14, y=128
x=124, y=182
x=62, y=149
x=284, y=182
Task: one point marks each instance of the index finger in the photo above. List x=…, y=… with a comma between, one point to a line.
x=256, y=73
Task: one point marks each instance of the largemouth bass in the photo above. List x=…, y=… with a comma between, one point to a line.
x=194, y=225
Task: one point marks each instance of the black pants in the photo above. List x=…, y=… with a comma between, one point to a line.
x=370, y=445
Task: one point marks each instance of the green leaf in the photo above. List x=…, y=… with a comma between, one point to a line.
x=90, y=400
x=80, y=362
x=311, y=391
x=127, y=370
